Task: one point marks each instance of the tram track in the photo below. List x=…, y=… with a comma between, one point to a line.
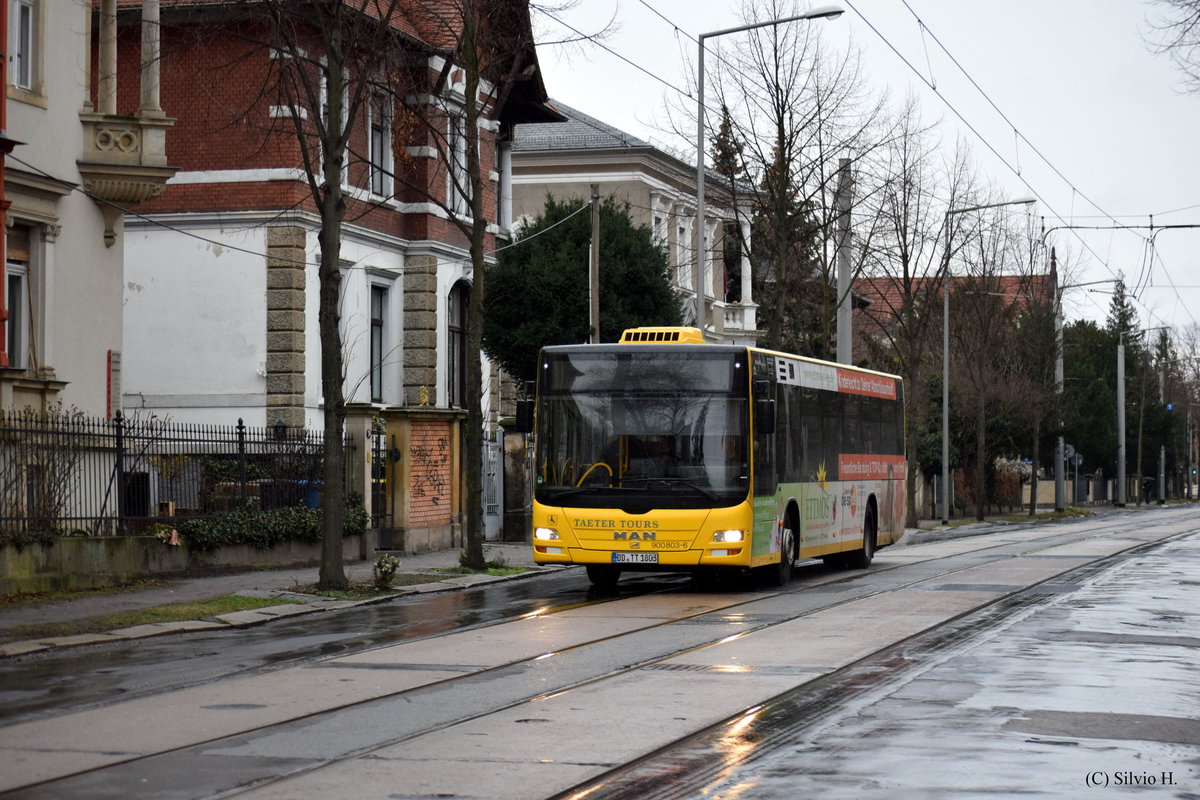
x=626, y=650
x=712, y=760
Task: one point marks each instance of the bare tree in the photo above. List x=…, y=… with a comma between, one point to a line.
x=902, y=271
x=1176, y=33
x=983, y=332
x=331, y=54
x=348, y=75
x=796, y=108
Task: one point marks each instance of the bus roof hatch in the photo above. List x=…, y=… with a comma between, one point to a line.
x=663, y=335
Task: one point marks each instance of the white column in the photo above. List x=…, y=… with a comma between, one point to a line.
x=151, y=55
x=107, y=90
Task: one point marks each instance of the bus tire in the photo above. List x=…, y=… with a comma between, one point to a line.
x=603, y=576
x=779, y=574
x=861, y=559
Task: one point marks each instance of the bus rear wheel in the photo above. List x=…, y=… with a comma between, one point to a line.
x=603, y=576
x=779, y=574
x=861, y=559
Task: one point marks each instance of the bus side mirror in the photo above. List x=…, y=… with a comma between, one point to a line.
x=524, y=422
x=764, y=416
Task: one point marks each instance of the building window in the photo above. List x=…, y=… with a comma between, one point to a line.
x=378, y=340
x=326, y=113
x=458, y=191
x=683, y=276
x=21, y=41
x=17, y=330
x=456, y=345
x=379, y=147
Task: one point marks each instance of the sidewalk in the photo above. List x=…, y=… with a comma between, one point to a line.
x=266, y=583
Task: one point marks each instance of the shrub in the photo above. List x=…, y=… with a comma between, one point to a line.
x=385, y=570
x=22, y=538
x=265, y=529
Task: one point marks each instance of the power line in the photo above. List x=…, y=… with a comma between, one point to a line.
x=1148, y=244
x=986, y=143
x=235, y=248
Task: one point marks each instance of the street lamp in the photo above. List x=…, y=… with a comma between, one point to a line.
x=1121, y=490
x=946, y=346
x=825, y=12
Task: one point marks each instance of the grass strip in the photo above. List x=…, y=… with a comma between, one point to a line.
x=170, y=612
x=497, y=571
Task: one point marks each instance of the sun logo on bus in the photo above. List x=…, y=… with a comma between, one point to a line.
x=822, y=474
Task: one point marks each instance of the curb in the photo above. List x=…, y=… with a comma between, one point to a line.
x=260, y=616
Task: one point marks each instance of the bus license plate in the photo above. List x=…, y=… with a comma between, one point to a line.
x=635, y=558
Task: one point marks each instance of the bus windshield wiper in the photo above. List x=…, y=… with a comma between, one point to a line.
x=671, y=481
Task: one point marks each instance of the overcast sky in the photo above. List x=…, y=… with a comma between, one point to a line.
x=1073, y=77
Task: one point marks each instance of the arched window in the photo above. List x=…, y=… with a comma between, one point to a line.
x=456, y=345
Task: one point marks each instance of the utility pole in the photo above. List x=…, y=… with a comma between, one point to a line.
x=594, y=268
x=1059, y=445
x=1121, y=420
x=845, y=309
x=1162, y=447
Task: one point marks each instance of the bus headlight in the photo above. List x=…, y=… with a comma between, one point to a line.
x=729, y=536
x=545, y=533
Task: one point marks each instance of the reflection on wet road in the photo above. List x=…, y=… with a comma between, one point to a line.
x=1078, y=684
x=540, y=691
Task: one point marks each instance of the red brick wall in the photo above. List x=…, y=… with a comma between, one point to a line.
x=429, y=484
x=218, y=86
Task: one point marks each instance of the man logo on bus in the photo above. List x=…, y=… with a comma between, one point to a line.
x=634, y=535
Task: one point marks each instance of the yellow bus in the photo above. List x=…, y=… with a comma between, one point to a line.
x=661, y=452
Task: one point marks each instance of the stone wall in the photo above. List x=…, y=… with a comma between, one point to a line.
x=71, y=564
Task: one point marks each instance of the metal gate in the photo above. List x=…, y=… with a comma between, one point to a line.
x=493, y=483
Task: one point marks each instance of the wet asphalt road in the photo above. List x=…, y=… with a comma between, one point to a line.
x=58, y=680
x=1013, y=685
x=1085, y=686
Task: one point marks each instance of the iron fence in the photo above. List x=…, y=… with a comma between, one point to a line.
x=64, y=472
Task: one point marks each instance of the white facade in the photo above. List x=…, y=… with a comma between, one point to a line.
x=197, y=327
x=195, y=333
x=68, y=301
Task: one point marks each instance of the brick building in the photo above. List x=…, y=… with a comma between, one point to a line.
x=221, y=288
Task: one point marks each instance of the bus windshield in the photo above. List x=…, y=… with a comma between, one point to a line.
x=662, y=429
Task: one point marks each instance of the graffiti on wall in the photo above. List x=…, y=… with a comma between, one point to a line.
x=430, y=486
x=429, y=469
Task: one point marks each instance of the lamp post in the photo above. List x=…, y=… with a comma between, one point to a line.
x=946, y=346
x=825, y=12
x=1122, y=499
x=1059, y=446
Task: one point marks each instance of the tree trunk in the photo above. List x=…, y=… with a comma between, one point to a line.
x=980, y=452
x=473, y=557
x=333, y=209
x=1033, y=473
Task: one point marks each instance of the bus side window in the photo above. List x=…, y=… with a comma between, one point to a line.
x=810, y=411
x=871, y=407
x=852, y=440
x=831, y=427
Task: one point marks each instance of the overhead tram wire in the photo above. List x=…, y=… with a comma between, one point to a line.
x=1022, y=138
x=235, y=248
x=925, y=28
x=991, y=148
x=1054, y=212
x=602, y=46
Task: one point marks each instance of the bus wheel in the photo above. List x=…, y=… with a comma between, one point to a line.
x=603, y=576
x=779, y=574
x=861, y=559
